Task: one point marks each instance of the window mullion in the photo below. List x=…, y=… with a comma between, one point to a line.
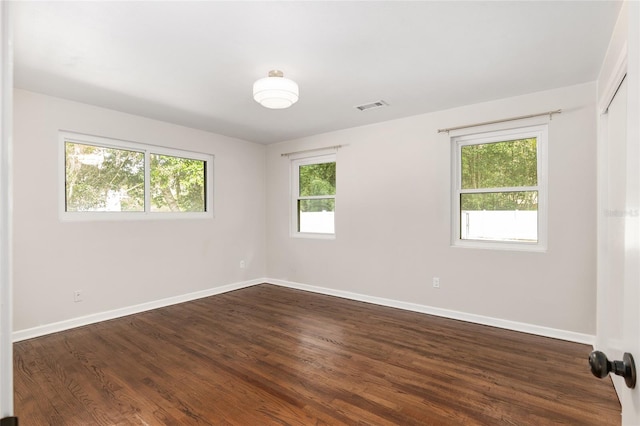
x=316, y=197
x=505, y=189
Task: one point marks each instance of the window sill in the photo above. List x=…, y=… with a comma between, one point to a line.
x=313, y=236
x=497, y=245
x=130, y=216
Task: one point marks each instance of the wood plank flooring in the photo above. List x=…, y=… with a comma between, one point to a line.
x=267, y=355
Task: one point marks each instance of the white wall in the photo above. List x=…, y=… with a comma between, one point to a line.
x=393, y=216
x=153, y=259
x=392, y=220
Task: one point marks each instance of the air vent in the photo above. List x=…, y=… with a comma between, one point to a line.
x=371, y=105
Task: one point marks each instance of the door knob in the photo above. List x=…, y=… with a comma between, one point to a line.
x=601, y=366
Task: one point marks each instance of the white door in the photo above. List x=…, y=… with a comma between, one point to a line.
x=619, y=247
x=6, y=87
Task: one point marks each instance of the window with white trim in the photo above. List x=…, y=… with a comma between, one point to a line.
x=313, y=203
x=106, y=178
x=499, y=189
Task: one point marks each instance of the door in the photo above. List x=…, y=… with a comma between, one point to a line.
x=619, y=246
x=6, y=88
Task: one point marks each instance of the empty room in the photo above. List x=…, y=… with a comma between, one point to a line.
x=320, y=213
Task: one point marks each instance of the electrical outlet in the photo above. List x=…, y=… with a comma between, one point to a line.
x=77, y=296
x=436, y=282
x=243, y=264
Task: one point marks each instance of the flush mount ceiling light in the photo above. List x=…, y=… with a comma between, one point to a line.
x=275, y=91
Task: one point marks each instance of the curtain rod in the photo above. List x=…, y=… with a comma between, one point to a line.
x=522, y=117
x=286, y=154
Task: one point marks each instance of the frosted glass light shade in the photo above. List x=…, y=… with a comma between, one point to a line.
x=275, y=91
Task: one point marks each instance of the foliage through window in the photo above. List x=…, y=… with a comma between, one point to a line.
x=500, y=188
x=110, y=176
x=177, y=184
x=314, y=193
x=103, y=179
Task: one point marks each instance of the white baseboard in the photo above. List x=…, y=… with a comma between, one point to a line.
x=446, y=313
x=129, y=310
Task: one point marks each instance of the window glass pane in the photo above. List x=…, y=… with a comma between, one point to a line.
x=177, y=184
x=103, y=179
x=501, y=216
x=500, y=164
x=318, y=179
x=316, y=216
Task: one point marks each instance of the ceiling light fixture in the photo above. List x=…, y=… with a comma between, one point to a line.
x=275, y=91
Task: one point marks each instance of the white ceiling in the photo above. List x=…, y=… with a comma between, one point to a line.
x=194, y=63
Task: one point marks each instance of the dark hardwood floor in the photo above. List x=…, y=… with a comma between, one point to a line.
x=269, y=355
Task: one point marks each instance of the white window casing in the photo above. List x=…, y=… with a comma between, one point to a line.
x=319, y=225
x=147, y=151
x=531, y=225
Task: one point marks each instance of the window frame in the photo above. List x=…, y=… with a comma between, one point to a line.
x=296, y=162
x=147, y=150
x=540, y=132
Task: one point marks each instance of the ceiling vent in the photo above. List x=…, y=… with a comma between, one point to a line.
x=372, y=105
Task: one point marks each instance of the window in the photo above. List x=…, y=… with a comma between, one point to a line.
x=314, y=196
x=103, y=177
x=499, y=197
